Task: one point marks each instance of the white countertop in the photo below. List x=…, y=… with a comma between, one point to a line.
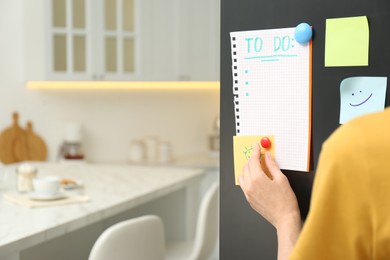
x=112, y=189
x=198, y=161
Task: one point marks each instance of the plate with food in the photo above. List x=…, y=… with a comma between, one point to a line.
x=70, y=184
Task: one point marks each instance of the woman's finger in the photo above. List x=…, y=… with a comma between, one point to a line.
x=271, y=165
x=254, y=161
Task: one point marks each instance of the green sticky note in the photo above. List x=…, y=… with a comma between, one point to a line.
x=347, y=41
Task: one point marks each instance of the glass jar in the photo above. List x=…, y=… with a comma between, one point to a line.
x=25, y=175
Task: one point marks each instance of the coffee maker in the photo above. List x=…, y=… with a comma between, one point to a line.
x=71, y=149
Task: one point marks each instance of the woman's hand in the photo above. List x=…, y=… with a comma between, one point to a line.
x=271, y=196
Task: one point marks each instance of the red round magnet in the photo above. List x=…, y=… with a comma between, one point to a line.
x=265, y=142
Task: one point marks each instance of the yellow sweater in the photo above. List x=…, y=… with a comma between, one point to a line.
x=349, y=214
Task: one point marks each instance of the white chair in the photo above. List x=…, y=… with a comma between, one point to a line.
x=142, y=238
x=206, y=233
x=139, y=238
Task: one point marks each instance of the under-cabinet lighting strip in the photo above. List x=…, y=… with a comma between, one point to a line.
x=124, y=85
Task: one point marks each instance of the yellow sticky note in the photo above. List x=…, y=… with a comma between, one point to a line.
x=347, y=41
x=242, y=151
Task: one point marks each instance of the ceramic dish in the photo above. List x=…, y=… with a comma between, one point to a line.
x=38, y=196
x=68, y=184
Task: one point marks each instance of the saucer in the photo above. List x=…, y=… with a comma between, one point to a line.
x=40, y=196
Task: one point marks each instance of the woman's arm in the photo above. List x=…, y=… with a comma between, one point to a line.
x=272, y=197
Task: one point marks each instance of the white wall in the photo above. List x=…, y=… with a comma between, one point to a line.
x=111, y=119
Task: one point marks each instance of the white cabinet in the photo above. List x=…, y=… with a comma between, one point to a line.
x=82, y=39
x=200, y=41
x=182, y=39
x=122, y=40
x=68, y=39
x=90, y=39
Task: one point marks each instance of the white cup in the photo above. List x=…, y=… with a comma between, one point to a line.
x=46, y=186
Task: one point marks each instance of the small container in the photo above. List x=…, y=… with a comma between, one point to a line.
x=164, y=152
x=137, y=152
x=151, y=146
x=214, y=142
x=25, y=175
x=214, y=137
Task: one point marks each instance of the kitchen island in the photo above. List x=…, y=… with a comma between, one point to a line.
x=112, y=189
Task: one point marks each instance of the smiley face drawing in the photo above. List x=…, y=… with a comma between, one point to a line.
x=361, y=95
x=361, y=103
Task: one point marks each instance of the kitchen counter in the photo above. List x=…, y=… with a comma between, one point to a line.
x=112, y=189
x=198, y=161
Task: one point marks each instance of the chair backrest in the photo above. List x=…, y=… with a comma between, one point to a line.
x=207, y=227
x=139, y=238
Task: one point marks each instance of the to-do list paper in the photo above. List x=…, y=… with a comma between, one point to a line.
x=272, y=92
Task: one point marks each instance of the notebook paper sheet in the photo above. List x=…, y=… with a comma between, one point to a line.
x=272, y=92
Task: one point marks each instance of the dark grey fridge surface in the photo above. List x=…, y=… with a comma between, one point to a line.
x=243, y=233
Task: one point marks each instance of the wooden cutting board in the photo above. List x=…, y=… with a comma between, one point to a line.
x=13, y=142
x=36, y=147
x=18, y=144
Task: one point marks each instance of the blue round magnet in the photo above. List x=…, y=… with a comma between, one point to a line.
x=303, y=33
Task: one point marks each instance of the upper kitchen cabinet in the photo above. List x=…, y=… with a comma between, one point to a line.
x=129, y=40
x=92, y=39
x=181, y=39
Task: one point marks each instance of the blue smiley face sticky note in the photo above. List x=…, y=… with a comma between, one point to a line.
x=361, y=95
